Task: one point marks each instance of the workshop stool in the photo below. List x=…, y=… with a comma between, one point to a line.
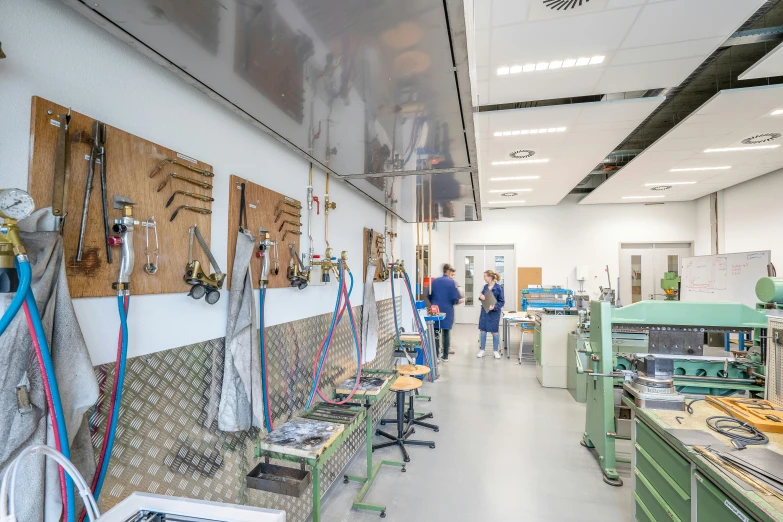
x=410, y=416
x=401, y=386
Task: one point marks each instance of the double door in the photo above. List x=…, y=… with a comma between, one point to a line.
x=642, y=266
x=470, y=262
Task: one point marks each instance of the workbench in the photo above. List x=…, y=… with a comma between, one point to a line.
x=525, y=324
x=671, y=481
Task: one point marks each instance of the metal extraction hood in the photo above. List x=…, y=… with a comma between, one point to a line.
x=376, y=92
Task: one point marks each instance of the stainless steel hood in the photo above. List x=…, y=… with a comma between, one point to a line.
x=376, y=92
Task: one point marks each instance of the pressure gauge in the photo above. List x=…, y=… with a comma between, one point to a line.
x=15, y=204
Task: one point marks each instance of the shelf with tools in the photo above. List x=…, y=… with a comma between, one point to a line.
x=375, y=252
x=276, y=214
x=167, y=189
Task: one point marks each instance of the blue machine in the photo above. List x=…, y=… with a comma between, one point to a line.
x=546, y=298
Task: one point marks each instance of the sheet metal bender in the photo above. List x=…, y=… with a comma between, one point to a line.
x=676, y=317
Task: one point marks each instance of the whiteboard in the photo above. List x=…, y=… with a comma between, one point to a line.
x=723, y=277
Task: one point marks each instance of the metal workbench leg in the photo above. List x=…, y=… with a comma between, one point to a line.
x=316, y=494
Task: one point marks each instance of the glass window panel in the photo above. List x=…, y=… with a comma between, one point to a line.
x=500, y=263
x=468, y=280
x=636, y=279
x=674, y=264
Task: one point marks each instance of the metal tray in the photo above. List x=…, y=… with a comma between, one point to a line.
x=279, y=479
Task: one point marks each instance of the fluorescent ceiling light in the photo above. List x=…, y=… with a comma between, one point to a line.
x=777, y=112
x=694, y=169
x=529, y=131
x=554, y=64
x=670, y=183
x=511, y=202
x=733, y=149
x=510, y=190
x=642, y=197
x=520, y=162
x=514, y=178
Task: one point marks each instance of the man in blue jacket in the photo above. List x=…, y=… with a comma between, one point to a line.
x=444, y=294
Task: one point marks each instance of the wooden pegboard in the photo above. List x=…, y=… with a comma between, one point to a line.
x=130, y=161
x=260, y=203
x=378, y=244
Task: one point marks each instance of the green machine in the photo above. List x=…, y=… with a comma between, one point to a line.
x=676, y=336
x=670, y=284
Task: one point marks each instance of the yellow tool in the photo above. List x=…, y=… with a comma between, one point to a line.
x=286, y=212
x=173, y=161
x=174, y=175
x=206, y=286
x=287, y=201
x=198, y=210
x=200, y=197
x=288, y=222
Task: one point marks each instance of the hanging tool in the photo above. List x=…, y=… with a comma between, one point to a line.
x=263, y=253
x=97, y=154
x=174, y=175
x=202, y=285
x=288, y=222
x=242, y=209
x=199, y=210
x=151, y=267
x=288, y=201
x=292, y=232
x=297, y=273
x=286, y=212
x=62, y=169
x=174, y=161
x=123, y=227
x=200, y=197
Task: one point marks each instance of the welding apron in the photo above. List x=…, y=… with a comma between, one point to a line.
x=240, y=405
x=369, y=317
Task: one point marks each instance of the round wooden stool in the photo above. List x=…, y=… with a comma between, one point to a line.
x=401, y=386
x=410, y=415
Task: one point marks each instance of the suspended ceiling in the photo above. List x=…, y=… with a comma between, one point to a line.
x=736, y=118
x=370, y=90
x=646, y=44
x=770, y=65
x=581, y=134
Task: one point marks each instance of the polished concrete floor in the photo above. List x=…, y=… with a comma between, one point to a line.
x=507, y=449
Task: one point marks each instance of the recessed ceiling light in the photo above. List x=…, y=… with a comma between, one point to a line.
x=520, y=162
x=694, y=169
x=529, y=131
x=514, y=178
x=510, y=190
x=554, y=64
x=642, y=197
x=733, y=149
x=670, y=183
x=505, y=202
x=777, y=112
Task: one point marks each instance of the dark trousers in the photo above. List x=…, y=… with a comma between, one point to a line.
x=445, y=342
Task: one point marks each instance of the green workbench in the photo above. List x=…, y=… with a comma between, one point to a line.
x=673, y=482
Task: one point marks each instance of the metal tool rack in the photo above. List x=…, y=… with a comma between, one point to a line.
x=372, y=469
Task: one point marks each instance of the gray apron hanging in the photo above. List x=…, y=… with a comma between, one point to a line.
x=240, y=404
x=369, y=317
x=22, y=426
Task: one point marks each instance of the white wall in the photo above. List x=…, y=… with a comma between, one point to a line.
x=55, y=53
x=558, y=238
x=749, y=217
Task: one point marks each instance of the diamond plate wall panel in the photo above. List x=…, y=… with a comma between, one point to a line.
x=163, y=444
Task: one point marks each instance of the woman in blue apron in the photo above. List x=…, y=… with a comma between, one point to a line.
x=489, y=322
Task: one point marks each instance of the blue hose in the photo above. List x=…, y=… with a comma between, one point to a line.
x=394, y=306
x=328, y=339
x=46, y=356
x=25, y=275
x=262, y=347
x=425, y=343
x=111, y=431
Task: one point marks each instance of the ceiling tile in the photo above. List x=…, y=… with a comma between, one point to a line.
x=770, y=65
x=635, y=77
x=668, y=51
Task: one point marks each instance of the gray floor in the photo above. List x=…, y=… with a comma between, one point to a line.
x=507, y=449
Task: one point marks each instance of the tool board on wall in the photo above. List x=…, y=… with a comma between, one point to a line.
x=723, y=277
x=130, y=161
x=272, y=211
x=376, y=249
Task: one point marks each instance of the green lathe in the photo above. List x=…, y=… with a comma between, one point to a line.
x=676, y=333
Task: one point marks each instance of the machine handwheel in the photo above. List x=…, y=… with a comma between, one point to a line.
x=432, y=446
x=383, y=514
x=345, y=480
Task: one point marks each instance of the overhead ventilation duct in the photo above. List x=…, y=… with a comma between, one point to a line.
x=376, y=93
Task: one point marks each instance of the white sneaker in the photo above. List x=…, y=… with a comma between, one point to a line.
x=480, y=354
x=496, y=354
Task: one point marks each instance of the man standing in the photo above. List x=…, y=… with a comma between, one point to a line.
x=444, y=294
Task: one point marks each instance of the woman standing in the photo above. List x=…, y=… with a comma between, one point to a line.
x=490, y=320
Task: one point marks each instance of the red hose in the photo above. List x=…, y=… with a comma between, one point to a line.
x=110, y=415
x=49, y=402
x=345, y=304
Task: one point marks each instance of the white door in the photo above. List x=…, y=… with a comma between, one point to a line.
x=642, y=267
x=470, y=262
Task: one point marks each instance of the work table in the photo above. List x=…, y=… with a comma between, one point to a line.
x=674, y=481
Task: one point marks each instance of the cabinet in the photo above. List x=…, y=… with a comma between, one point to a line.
x=550, y=347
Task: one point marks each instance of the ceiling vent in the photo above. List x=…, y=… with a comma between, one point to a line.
x=661, y=187
x=761, y=138
x=522, y=154
x=561, y=5
x=510, y=194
